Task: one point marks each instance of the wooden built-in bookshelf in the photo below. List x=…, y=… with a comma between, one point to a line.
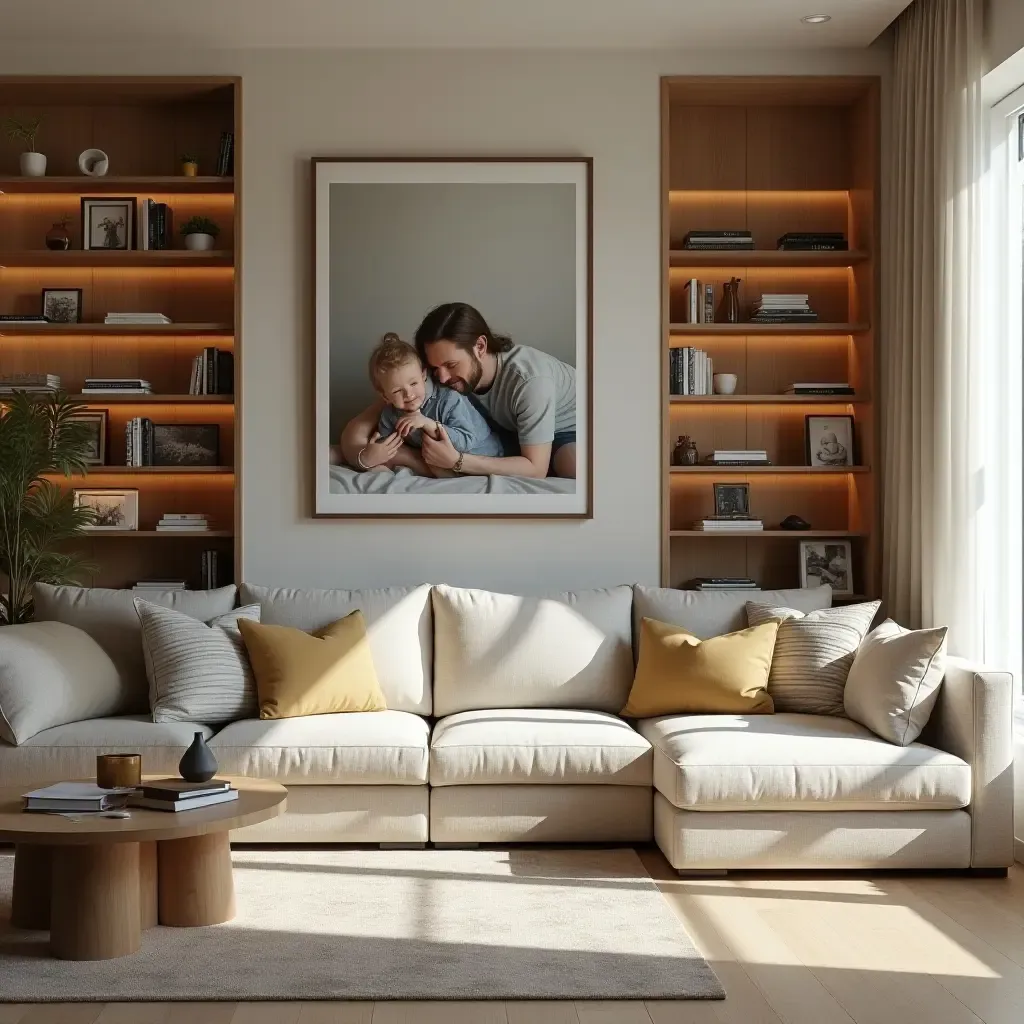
x=144, y=125
x=772, y=155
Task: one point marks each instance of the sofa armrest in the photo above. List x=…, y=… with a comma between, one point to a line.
x=973, y=719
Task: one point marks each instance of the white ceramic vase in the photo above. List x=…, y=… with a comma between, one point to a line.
x=33, y=165
x=199, y=241
x=724, y=383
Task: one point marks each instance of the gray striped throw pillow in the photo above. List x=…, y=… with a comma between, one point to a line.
x=198, y=671
x=813, y=654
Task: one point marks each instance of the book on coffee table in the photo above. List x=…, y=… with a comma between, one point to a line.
x=186, y=803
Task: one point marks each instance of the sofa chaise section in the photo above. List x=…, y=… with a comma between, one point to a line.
x=528, y=746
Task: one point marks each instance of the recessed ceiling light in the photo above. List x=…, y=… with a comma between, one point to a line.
x=816, y=19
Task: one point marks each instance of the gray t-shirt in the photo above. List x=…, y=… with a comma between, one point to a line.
x=533, y=394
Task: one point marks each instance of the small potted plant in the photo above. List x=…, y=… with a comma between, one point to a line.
x=199, y=233
x=33, y=164
x=189, y=166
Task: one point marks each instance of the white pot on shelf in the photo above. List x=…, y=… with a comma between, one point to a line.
x=33, y=165
x=199, y=240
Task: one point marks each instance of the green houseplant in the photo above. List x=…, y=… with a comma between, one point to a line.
x=33, y=164
x=199, y=233
x=38, y=437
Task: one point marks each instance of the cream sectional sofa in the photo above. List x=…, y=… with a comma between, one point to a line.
x=503, y=728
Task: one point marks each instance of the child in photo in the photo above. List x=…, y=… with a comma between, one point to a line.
x=416, y=404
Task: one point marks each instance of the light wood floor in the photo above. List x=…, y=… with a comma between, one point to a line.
x=789, y=950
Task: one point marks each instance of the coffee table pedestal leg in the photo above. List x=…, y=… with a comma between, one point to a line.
x=30, y=905
x=196, y=887
x=94, y=909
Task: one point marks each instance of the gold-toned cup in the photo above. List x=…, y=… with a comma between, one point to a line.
x=116, y=770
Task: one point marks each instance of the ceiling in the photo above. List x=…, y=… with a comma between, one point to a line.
x=436, y=24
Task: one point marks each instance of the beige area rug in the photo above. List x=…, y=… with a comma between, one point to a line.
x=406, y=924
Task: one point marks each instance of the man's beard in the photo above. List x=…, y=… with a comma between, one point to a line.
x=467, y=385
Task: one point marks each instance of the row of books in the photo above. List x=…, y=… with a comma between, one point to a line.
x=31, y=382
x=137, y=318
x=719, y=239
x=190, y=522
x=155, y=227
x=726, y=240
x=138, y=432
x=213, y=373
x=738, y=457
x=691, y=371
x=226, y=156
x=726, y=524
x=156, y=795
x=116, y=386
x=781, y=308
x=832, y=241
x=216, y=569
x=698, y=302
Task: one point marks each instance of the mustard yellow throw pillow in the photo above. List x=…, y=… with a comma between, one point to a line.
x=677, y=673
x=299, y=673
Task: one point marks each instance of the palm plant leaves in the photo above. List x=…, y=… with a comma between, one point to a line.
x=36, y=514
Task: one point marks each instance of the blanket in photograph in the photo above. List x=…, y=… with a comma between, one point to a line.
x=403, y=481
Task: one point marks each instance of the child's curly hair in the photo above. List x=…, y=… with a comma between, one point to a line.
x=391, y=352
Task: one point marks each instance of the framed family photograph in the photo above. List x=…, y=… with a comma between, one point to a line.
x=829, y=440
x=96, y=422
x=827, y=563
x=108, y=223
x=452, y=333
x=62, y=305
x=114, y=509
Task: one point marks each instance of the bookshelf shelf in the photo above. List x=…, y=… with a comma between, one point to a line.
x=765, y=258
x=99, y=258
x=124, y=330
x=771, y=155
x=820, y=329
x=791, y=470
x=114, y=185
x=160, y=470
x=767, y=534
x=162, y=534
x=742, y=400
x=155, y=399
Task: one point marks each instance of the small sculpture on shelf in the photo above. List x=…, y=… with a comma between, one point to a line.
x=93, y=163
x=794, y=522
x=685, y=452
x=731, y=300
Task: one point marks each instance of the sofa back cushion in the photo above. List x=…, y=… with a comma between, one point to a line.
x=109, y=617
x=569, y=650
x=707, y=614
x=398, y=627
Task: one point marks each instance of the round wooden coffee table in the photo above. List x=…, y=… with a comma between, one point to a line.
x=96, y=884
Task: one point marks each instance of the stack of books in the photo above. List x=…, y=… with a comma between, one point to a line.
x=155, y=228
x=142, y=319
x=820, y=388
x=138, y=434
x=741, y=239
x=217, y=569
x=698, y=302
x=183, y=521
x=776, y=308
x=226, y=156
x=725, y=524
x=18, y=318
x=34, y=382
x=179, y=795
x=690, y=372
x=213, y=373
x=76, y=798
x=144, y=585
x=725, y=583
x=116, y=386
x=830, y=241
x=738, y=457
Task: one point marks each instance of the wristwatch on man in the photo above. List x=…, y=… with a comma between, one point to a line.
x=457, y=468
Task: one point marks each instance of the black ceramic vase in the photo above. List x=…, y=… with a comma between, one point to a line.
x=197, y=764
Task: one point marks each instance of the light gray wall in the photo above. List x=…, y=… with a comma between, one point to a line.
x=299, y=104
x=1004, y=30
x=398, y=250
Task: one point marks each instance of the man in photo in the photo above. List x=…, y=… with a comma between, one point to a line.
x=527, y=394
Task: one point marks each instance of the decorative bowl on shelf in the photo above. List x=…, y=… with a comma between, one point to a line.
x=93, y=163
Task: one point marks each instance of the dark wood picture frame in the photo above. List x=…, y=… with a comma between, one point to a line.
x=202, y=431
x=78, y=304
x=102, y=418
x=850, y=457
x=130, y=203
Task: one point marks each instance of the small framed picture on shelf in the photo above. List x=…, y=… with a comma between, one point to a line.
x=113, y=509
x=732, y=501
x=827, y=563
x=186, y=444
x=95, y=420
x=829, y=440
x=62, y=305
x=108, y=223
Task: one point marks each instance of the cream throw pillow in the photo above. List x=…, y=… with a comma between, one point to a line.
x=198, y=671
x=895, y=680
x=813, y=654
x=299, y=673
x=678, y=673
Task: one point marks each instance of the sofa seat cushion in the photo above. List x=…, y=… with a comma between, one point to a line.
x=369, y=748
x=69, y=751
x=790, y=762
x=535, y=745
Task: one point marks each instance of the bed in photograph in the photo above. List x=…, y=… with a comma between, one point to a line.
x=403, y=481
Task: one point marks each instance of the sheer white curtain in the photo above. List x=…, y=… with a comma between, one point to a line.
x=934, y=461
